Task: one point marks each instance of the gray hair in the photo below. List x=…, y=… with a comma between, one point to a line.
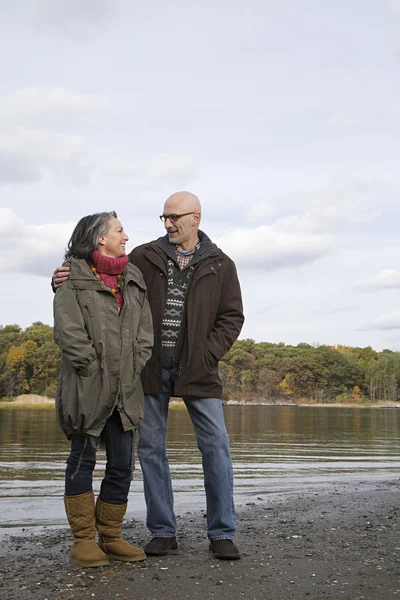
x=85, y=237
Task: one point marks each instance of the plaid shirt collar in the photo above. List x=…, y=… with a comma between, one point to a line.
x=184, y=258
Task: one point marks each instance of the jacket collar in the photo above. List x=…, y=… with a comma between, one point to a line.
x=207, y=248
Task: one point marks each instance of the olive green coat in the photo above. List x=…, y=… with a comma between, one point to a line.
x=103, y=350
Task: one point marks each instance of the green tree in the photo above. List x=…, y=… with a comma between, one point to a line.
x=46, y=369
x=383, y=377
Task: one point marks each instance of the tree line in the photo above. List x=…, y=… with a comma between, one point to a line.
x=29, y=364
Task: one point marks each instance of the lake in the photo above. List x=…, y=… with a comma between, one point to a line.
x=275, y=449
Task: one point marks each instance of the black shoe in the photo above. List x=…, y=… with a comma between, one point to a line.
x=159, y=546
x=224, y=549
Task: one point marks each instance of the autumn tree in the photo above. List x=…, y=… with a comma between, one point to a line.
x=29, y=362
x=20, y=361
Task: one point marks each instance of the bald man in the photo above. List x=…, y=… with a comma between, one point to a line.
x=196, y=304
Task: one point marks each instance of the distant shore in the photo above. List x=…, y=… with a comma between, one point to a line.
x=34, y=400
x=27, y=400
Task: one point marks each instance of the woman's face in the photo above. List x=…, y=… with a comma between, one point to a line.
x=113, y=242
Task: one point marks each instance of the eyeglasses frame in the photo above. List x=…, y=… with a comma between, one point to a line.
x=174, y=218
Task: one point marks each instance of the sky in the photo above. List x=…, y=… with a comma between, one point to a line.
x=283, y=117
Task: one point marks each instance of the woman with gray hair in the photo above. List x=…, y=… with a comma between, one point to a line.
x=103, y=325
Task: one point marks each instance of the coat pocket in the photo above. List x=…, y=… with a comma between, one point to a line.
x=81, y=400
x=209, y=360
x=90, y=397
x=90, y=369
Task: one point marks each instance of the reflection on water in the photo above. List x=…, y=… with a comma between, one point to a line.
x=274, y=448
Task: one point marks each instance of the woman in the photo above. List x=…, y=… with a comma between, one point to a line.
x=102, y=322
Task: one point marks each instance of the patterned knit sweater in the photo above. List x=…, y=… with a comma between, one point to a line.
x=178, y=281
x=180, y=270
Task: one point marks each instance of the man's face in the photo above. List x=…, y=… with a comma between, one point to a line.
x=182, y=229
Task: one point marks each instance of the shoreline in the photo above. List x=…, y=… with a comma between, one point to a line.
x=322, y=544
x=46, y=402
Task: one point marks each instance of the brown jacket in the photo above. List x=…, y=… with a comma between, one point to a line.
x=103, y=351
x=211, y=322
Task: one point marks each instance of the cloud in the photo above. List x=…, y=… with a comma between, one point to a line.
x=346, y=201
x=49, y=108
x=386, y=322
x=383, y=117
x=172, y=168
x=268, y=249
x=32, y=249
x=73, y=18
x=26, y=155
x=315, y=218
x=36, y=248
x=333, y=310
x=260, y=211
x=33, y=140
x=385, y=279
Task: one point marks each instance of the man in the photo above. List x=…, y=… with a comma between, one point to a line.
x=196, y=304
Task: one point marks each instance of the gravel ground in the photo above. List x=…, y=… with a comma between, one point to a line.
x=341, y=542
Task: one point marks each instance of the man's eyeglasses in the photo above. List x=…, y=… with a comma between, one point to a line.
x=174, y=218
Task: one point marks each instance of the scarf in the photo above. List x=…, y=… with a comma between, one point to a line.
x=109, y=270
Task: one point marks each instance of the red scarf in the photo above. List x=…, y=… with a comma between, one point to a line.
x=107, y=268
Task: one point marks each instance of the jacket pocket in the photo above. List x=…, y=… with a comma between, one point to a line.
x=210, y=360
x=83, y=399
x=90, y=398
x=90, y=369
x=138, y=362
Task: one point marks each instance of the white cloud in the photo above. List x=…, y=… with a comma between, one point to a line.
x=28, y=248
x=346, y=200
x=395, y=6
x=26, y=155
x=385, y=279
x=351, y=198
x=316, y=219
x=386, y=322
x=172, y=168
x=381, y=117
x=71, y=17
x=341, y=85
x=268, y=249
x=49, y=108
x=36, y=126
x=261, y=210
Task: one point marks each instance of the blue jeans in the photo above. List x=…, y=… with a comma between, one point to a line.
x=118, y=474
x=213, y=442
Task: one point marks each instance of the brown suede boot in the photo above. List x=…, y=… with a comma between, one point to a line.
x=109, y=519
x=80, y=513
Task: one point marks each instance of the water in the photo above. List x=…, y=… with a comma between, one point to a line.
x=274, y=449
